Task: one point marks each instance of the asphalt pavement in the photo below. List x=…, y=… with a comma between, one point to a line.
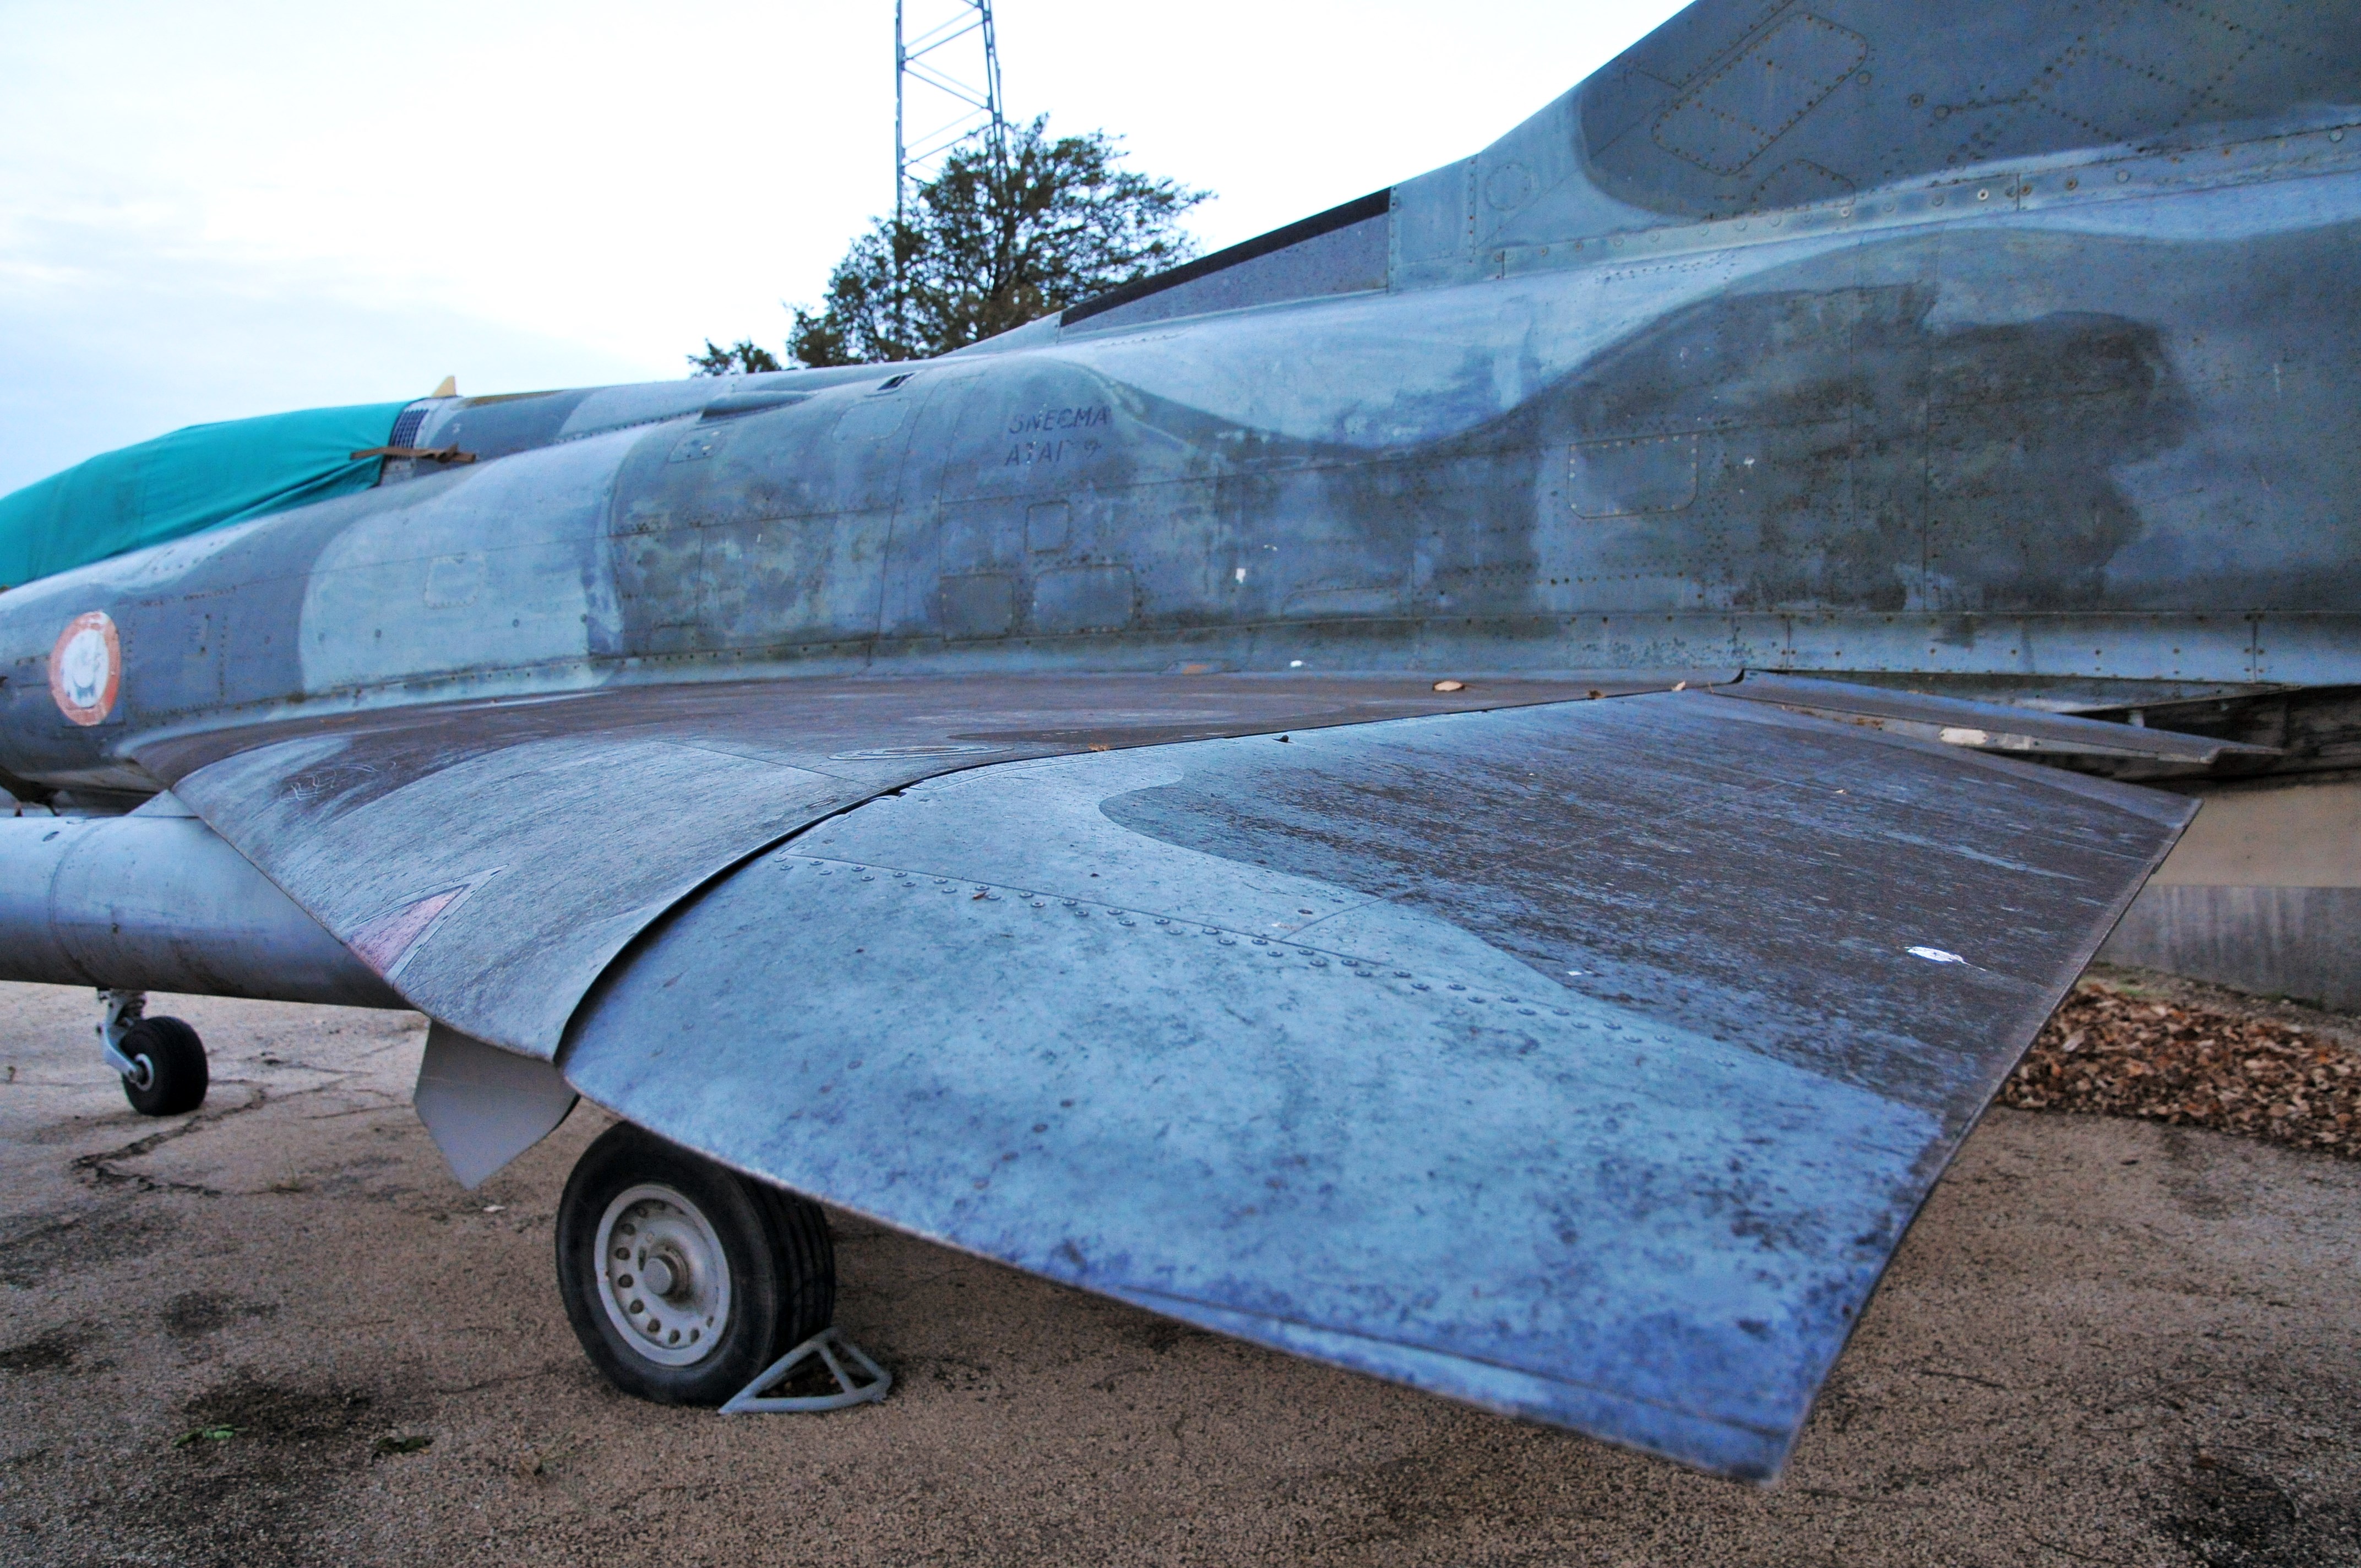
x=277, y=1332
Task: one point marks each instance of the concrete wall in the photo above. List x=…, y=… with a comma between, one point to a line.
x=2263, y=893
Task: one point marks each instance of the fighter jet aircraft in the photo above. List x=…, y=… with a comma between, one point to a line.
x=1376, y=793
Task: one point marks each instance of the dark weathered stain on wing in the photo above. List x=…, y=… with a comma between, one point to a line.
x=1759, y=882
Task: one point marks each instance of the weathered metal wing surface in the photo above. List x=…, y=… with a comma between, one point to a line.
x=489, y=859
x=1583, y=1061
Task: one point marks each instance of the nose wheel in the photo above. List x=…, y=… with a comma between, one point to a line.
x=684, y=1280
x=161, y=1059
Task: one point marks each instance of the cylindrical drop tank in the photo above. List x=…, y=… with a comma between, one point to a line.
x=154, y=902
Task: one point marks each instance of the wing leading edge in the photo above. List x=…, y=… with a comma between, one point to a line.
x=1583, y=1061
x=489, y=859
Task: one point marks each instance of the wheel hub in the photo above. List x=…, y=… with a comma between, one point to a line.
x=663, y=1277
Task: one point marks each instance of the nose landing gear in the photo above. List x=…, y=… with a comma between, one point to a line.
x=161, y=1059
x=684, y=1280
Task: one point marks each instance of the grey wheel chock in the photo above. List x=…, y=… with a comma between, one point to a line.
x=749, y=1401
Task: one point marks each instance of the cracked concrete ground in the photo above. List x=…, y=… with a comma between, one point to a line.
x=2105, y=1342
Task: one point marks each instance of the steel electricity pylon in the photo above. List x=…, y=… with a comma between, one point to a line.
x=946, y=79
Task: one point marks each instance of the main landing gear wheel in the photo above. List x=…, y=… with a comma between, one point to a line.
x=684, y=1280
x=168, y=1067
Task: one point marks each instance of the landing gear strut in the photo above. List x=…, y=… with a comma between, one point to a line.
x=161, y=1059
x=683, y=1281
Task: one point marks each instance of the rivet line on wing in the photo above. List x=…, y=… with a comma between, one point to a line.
x=1147, y=922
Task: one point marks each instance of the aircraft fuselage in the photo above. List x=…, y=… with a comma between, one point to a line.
x=2087, y=419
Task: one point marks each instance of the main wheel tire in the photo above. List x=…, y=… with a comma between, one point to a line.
x=683, y=1279
x=168, y=1073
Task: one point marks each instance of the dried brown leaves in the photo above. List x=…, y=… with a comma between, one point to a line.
x=2106, y=1052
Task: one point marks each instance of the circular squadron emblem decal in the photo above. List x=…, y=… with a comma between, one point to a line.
x=86, y=668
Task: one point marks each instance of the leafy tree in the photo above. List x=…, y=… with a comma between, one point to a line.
x=985, y=249
x=743, y=357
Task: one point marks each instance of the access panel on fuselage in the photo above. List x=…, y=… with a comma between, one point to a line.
x=765, y=530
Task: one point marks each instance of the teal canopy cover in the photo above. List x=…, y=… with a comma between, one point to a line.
x=196, y=478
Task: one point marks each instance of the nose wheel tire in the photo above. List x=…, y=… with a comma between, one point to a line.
x=168, y=1068
x=683, y=1279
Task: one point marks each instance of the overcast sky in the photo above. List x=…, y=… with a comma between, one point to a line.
x=213, y=210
